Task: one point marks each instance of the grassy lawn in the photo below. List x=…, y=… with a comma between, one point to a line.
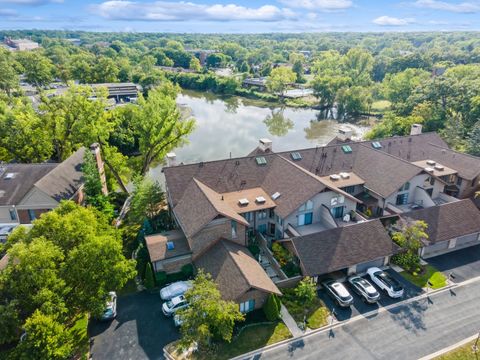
x=251, y=338
x=316, y=313
x=462, y=353
x=430, y=274
x=80, y=334
x=381, y=106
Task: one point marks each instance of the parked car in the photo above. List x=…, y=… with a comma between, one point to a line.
x=175, y=289
x=386, y=282
x=110, y=311
x=338, y=292
x=364, y=289
x=170, y=307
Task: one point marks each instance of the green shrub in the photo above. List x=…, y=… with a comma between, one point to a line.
x=306, y=290
x=187, y=270
x=291, y=269
x=149, y=279
x=282, y=255
x=161, y=278
x=254, y=249
x=272, y=308
x=407, y=260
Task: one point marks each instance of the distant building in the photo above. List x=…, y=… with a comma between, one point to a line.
x=121, y=92
x=20, y=44
x=76, y=42
x=260, y=83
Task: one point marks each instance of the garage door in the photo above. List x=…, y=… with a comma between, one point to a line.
x=436, y=249
x=467, y=240
x=363, y=267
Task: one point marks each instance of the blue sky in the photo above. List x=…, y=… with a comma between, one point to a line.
x=237, y=16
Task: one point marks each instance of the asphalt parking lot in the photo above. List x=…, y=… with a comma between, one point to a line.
x=140, y=330
x=465, y=263
x=359, y=307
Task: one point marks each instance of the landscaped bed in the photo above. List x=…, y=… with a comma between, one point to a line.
x=425, y=275
x=316, y=313
x=464, y=352
x=256, y=332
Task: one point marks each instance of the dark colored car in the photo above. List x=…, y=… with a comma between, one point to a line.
x=364, y=289
x=338, y=292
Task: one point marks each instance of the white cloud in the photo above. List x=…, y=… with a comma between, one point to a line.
x=7, y=13
x=184, y=11
x=463, y=7
x=392, y=21
x=322, y=5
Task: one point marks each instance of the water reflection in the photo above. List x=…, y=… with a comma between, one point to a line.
x=277, y=123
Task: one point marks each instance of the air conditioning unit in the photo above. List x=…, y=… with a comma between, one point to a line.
x=276, y=196
x=334, y=177
x=429, y=169
x=260, y=200
x=439, y=167
x=431, y=162
x=243, y=202
x=344, y=175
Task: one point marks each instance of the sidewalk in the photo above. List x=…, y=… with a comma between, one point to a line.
x=290, y=322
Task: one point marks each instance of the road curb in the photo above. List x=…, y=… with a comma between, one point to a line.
x=449, y=348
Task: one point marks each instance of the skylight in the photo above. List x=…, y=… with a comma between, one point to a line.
x=296, y=156
x=261, y=160
x=170, y=245
x=376, y=145
x=346, y=149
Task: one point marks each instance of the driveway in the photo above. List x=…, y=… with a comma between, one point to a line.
x=359, y=307
x=140, y=330
x=465, y=263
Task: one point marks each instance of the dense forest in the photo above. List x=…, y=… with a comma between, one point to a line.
x=429, y=78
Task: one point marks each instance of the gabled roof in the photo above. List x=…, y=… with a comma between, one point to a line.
x=342, y=247
x=66, y=179
x=234, y=270
x=14, y=189
x=199, y=206
x=449, y=220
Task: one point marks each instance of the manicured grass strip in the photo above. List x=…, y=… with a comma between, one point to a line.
x=316, y=312
x=431, y=273
x=464, y=352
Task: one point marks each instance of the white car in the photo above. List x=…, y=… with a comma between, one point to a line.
x=175, y=289
x=170, y=307
x=386, y=282
x=110, y=311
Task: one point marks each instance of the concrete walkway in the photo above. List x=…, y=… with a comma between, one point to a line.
x=290, y=322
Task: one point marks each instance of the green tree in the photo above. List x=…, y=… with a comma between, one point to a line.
x=473, y=140
x=306, y=290
x=158, y=125
x=297, y=68
x=195, y=64
x=105, y=70
x=358, y=65
x=9, y=322
x=279, y=79
x=410, y=239
x=393, y=125
x=326, y=89
x=149, y=279
x=147, y=198
x=208, y=317
x=46, y=339
x=272, y=308
x=8, y=74
x=38, y=69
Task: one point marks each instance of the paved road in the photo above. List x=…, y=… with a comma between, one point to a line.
x=409, y=331
x=140, y=330
x=465, y=263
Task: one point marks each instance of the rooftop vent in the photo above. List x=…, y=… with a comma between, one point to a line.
x=431, y=162
x=276, y=196
x=429, y=169
x=243, y=202
x=439, y=167
x=344, y=175
x=296, y=156
x=9, y=176
x=376, y=145
x=347, y=149
x=260, y=200
x=261, y=160
x=170, y=245
x=335, y=177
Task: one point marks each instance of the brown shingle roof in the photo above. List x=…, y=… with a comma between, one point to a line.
x=199, y=206
x=66, y=179
x=157, y=245
x=449, y=220
x=338, y=248
x=234, y=270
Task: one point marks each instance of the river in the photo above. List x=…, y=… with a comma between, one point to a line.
x=232, y=127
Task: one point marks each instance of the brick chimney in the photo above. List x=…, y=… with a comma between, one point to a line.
x=95, y=149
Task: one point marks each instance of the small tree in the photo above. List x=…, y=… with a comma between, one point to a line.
x=208, y=317
x=146, y=200
x=272, y=308
x=410, y=240
x=306, y=290
x=149, y=279
x=279, y=79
